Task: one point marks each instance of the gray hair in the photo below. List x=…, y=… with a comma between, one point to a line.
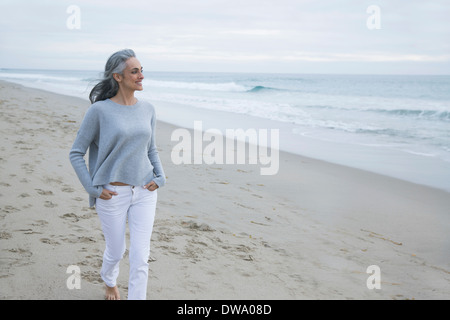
x=108, y=86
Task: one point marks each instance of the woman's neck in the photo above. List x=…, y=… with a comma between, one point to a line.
x=124, y=98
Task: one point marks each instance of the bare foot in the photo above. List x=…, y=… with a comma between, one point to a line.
x=112, y=293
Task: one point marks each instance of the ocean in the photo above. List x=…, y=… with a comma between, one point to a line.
x=396, y=125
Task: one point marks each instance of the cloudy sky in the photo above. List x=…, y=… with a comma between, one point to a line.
x=296, y=36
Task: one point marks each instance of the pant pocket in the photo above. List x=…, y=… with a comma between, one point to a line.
x=108, y=206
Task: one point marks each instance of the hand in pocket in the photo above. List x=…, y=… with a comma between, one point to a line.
x=152, y=186
x=107, y=194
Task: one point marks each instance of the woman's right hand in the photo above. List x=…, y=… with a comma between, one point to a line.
x=107, y=194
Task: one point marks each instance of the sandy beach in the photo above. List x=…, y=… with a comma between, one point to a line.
x=221, y=231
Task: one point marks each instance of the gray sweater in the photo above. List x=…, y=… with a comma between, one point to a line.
x=121, y=142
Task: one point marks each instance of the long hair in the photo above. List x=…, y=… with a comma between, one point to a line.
x=108, y=86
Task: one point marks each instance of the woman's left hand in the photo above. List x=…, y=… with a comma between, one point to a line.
x=152, y=186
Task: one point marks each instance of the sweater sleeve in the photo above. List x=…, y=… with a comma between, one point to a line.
x=85, y=137
x=158, y=171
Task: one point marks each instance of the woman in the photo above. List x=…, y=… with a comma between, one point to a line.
x=124, y=169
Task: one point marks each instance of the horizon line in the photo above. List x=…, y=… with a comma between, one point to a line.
x=243, y=72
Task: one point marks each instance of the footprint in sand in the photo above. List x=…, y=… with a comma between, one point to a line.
x=193, y=225
x=54, y=180
x=72, y=217
x=14, y=257
x=49, y=241
x=93, y=260
x=44, y=192
x=50, y=204
x=5, y=235
x=29, y=168
x=92, y=276
x=71, y=238
x=77, y=239
x=24, y=195
x=9, y=209
x=39, y=223
x=67, y=189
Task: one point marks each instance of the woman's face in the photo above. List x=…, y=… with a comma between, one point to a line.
x=131, y=78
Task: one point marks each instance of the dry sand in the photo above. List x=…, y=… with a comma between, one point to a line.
x=221, y=231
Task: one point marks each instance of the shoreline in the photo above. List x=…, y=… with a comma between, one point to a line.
x=221, y=231
x=384, y=158
x=398, y=164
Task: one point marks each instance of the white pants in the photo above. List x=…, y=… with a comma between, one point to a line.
x=138, y=205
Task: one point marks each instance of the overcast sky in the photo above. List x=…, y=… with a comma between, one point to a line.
x=298, y=36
